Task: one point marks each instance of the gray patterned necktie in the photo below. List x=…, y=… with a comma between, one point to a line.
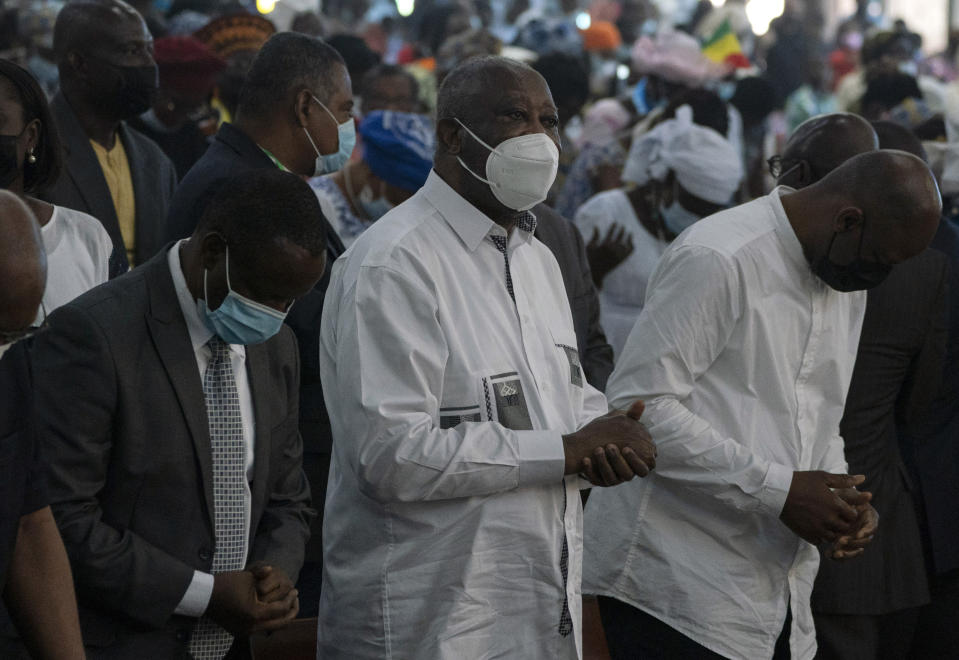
x=209, y=640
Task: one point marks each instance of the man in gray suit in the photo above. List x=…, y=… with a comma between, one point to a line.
x=117, y=175
x=167, y=406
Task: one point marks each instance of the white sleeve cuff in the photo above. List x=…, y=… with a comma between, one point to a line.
x=197, y=596
x=542, y=457
x=776, y=487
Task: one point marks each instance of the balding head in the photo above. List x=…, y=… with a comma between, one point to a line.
x=23, y=264
x=877, y=209
x=821, y=144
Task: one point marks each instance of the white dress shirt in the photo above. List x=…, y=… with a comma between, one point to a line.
x=78, y=251
x=624, y=289
x=444, y=524
x=744, y=358
x=197, y=596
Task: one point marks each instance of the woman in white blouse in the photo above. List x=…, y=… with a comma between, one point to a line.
x=76, y=244
x=676, y=174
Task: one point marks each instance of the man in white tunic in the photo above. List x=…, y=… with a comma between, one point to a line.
x=743, y=354
x=460, y=414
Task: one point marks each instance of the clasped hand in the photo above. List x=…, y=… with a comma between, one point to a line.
x=260, y=598
x=611, y=449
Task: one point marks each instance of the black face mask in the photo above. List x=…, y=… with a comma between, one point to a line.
x=131, y=93
x=9, y=163
x=855, y=276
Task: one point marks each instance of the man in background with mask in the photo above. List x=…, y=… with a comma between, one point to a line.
x=397, y=157
x=744, y=353
x=294, y=114
x=167, y=412
x=459, y=409
x=114, y=173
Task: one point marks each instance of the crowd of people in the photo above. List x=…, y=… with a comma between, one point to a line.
x=454, y=332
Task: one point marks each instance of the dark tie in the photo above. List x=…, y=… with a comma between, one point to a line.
x=209, y=640
x=565, y=618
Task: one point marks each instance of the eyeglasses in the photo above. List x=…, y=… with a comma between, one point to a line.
x=13, y=336
x=776, y=167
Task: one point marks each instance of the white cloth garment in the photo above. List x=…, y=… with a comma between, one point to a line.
x=443, y=527
x=706, y=163
x=78, y=251
x=743, y=358
x=624, y=288
x=197, y=596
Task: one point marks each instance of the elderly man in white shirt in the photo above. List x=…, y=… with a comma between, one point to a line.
x=743, y=353
x=460, y=414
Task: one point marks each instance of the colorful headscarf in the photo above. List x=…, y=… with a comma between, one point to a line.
x=398, y=147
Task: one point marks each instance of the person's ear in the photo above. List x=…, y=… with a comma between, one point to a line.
x=302, y=107
x=33, y=136
x=450, y=135
x=78, y=62
x=212, y=249
x=804, y=175
x=847, y=219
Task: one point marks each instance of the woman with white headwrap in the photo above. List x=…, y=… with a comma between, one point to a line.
x=675, y=174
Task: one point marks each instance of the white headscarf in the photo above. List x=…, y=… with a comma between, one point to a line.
x=706, y=164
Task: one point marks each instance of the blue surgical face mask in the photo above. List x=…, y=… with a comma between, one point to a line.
x=346, y=137
x=676, y=218
x=239, y=320
x=373, y=207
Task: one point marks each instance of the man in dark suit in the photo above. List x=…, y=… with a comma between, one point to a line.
x=114, y=173
x=167, y=407
x=566, y=244
x=281, y=124
x=34, y=572
x=869, y=609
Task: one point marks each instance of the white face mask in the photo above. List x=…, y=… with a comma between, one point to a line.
x=520, y=170
x=676, y=218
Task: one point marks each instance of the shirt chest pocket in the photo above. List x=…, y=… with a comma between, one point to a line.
x=567, y=354
x=492, y=395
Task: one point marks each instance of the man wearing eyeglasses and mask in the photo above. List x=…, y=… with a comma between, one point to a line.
x=460, y=414
x=744, y=353
x=168, y=404
x=35, y=575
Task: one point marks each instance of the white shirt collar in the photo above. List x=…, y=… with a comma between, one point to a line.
x=469, y=223
x=199, y=333
x=784, y=228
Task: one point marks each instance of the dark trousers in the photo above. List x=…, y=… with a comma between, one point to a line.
x=631, y=634
x=863, y=637
x=937, y=631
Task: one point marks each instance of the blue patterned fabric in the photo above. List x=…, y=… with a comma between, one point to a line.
x=398, y=147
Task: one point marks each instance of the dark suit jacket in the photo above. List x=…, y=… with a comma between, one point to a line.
x=233, y=153
x=895, y=377
x=930, y=445
x=21, y=472
x=122, y=421
x=561, y=237
x=82, y=186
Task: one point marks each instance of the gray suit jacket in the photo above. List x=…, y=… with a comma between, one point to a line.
x=82, y=186
x=897, y=372
x=122, y=420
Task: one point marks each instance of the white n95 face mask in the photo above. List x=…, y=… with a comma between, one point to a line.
x=520, y=170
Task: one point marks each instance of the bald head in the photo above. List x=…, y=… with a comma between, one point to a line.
x=878, y=208
x=81, y=23
x=821, y=144
x=23, y=264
